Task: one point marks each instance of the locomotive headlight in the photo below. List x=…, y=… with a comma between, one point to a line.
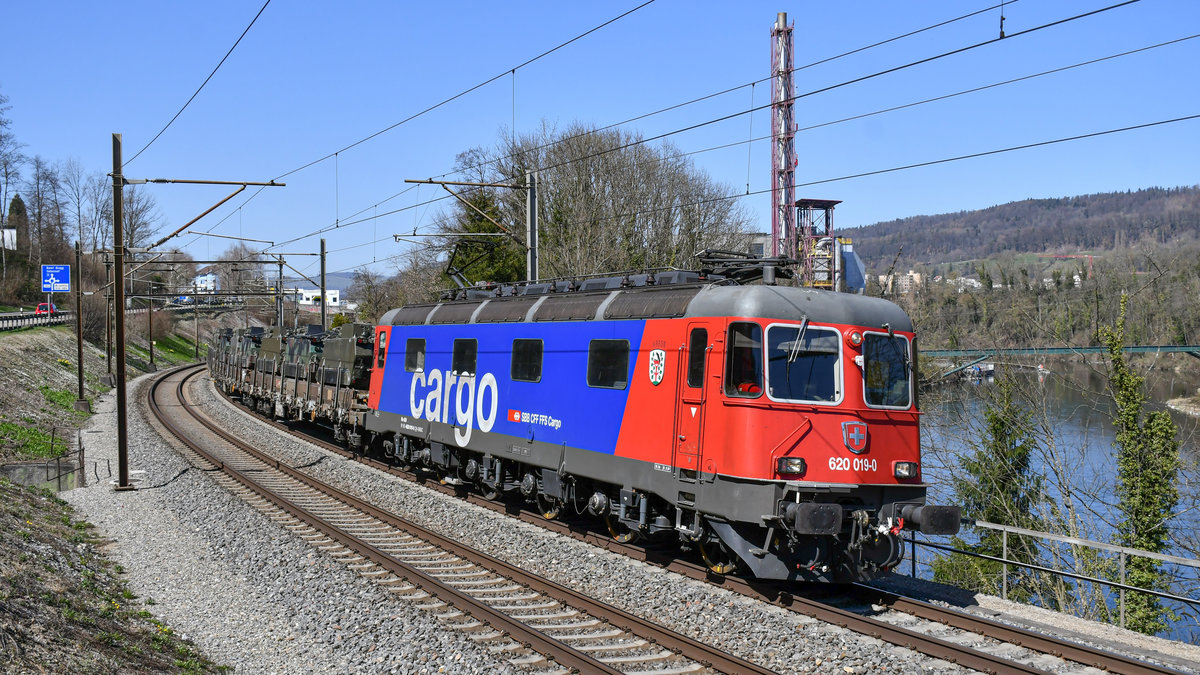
x=906, y=469
x=854, y=338
x=794, y=465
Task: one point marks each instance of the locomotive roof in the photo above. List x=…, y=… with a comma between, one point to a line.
x=785, y=303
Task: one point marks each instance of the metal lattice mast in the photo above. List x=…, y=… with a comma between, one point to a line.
x=783, y=129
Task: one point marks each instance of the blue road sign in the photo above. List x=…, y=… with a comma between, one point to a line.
x=56, y=278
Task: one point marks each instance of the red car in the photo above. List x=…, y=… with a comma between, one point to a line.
x=45, y=308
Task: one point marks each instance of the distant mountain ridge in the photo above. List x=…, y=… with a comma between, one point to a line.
x=1091, y=223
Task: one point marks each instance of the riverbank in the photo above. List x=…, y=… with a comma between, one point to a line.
x=1189, y=405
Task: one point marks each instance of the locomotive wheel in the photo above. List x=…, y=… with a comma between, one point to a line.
x=549, y=507
x=718, y=558
x=488, y=492
x=621, y=533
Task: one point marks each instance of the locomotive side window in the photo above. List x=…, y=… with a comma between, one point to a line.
x=608, y=364
x=527, y=361
x=803, y=363
x=697, y=349
x=382, y=342
x=465, y=353
x=414, y=355
x=743, y=363
x=886, y=370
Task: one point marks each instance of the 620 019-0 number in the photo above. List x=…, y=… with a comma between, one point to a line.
x=858, y=463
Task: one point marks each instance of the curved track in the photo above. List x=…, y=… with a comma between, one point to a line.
x=991, y=632
x=527, y=618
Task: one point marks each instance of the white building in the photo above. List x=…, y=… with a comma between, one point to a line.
x=206, y=281
x=307, y=296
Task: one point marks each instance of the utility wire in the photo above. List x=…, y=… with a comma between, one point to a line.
x=732, y=197
x=609, y=126
x=726, y=91
x=197, y=92
x=811, y=127
x=469, y=90
x=838, y=85
x=730, y=116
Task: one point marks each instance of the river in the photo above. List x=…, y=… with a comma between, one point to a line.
x=1075, y=452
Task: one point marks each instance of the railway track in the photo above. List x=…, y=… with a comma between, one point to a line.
x=991, y=636
x=531, y=622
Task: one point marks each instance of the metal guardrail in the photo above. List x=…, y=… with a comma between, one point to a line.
x=1123, y=553
x=15, y=320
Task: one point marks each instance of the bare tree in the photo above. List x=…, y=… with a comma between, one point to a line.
x=88, y=197
x=606, y=201
x=142, y=219
x=247, y=271
x=374, y=293
x=44, y=210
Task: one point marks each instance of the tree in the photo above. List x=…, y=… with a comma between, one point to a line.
x=1147, y=464
x=18, y=217
x=997, y=484
x=45, y=214
x=607, y=202
x=141, y=219
x=374, y=293
x=243, y=273
x=89, y=198
x=11, y=160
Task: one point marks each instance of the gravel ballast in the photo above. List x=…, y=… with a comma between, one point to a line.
x=248, y=592
x=255, y=596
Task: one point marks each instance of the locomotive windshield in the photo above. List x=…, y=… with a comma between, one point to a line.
x=802, y=363
x=886, y=370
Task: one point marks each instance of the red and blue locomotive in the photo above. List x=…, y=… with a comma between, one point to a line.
x=774, y=428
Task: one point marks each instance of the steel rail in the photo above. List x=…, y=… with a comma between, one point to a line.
x=924, y=644
x=696, y=651
x=779, y=594
x=533, y=639
x=1083, y=654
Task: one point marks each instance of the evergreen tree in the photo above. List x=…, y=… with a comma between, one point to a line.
x=997, y=484
x=18, y=219
x=1147, y=464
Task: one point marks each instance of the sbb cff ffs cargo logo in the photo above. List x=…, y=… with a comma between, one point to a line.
x=658, y=366
x=854, y=435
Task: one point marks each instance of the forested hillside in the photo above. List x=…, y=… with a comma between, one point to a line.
x=1089, y=223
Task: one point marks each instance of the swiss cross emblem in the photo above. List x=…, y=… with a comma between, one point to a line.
x=658, y=366
x=854, y=435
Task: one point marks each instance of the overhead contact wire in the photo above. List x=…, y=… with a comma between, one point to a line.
x=197, y=92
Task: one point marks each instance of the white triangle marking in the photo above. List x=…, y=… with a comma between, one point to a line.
x=693, y=411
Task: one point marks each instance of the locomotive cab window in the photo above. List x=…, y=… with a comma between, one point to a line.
x=886, y=371
x=414, y=355
x=802, y=363
x=527, y=361
x=382, y=342
x=608, y=364
x=743, y=363
x=465, y=355
x=697, y=350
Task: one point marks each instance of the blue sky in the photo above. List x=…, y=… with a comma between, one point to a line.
x=310, y=78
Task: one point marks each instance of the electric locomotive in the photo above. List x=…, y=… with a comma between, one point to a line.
x=774, y=428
